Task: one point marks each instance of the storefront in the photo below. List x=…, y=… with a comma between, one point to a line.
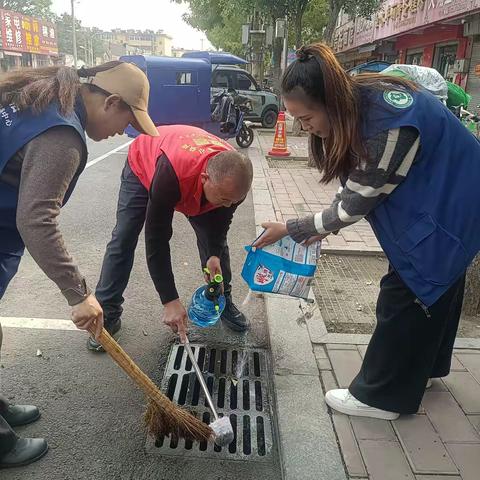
x=472, y=31
x=428, y=33
x=443, y=47
x=26, y=41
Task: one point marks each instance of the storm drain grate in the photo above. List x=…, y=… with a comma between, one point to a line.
x=346, y=289
x=290, y=163
x=237, y=380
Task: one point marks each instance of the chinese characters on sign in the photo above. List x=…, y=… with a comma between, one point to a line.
x=398, y=16
x=26, y=34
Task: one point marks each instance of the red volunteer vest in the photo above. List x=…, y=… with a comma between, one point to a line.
x=188, y=149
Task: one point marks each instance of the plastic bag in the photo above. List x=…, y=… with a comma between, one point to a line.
x=285, y=267
x=426, y=77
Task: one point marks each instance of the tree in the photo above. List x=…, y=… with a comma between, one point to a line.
x=220, y=20
x=34, y=8
x=353, y=8
x=89, y=42
x=315, y=20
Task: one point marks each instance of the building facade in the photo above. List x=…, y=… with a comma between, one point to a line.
x=136, y=42
x=442, y=34
x=26, y=41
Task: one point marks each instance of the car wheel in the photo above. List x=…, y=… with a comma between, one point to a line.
x=269, y=119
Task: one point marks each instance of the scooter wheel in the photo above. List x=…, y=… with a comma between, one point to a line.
x=245, y=137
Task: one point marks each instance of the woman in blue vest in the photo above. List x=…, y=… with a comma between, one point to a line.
x=45, y=115
x=409, y=167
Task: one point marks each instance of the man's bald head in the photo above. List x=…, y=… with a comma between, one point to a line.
x=229, y=177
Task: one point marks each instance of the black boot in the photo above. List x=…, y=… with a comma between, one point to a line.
x=16, y=415
x=112, y=327
x=25, y=451
x=232, y=317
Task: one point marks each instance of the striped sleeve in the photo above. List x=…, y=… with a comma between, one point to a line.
x=391, y=154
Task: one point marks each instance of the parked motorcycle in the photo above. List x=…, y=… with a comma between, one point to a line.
x=229, y=108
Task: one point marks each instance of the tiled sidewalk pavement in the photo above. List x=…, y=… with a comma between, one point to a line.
x=297, y=191
x=441, y=442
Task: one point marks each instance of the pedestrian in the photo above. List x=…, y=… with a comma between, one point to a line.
x=44, y=118
x=183, y=169
x=411, y=169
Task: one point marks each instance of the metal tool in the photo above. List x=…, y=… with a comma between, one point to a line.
x=221, y=426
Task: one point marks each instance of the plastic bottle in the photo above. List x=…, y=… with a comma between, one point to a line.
x=207, y=303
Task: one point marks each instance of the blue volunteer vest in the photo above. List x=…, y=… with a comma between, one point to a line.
x=429, y=226
x=16, y=130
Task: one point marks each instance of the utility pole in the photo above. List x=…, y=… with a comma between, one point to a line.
x=74, y=35
x=285, y=46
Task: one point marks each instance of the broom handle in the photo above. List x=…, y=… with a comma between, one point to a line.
x=123, y=360
x=200, y=378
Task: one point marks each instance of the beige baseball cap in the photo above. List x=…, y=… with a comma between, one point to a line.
x=128, y=81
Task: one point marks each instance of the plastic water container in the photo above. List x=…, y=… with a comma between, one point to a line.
x=207, y=304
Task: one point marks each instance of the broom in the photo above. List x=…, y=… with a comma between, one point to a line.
x=162, y=417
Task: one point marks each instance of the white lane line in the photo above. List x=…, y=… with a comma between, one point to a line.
x=105, y=155
x=37, y=323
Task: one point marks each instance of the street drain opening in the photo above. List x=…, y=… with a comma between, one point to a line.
x=237, y=380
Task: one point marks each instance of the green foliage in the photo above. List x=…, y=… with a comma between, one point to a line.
x=34, y=8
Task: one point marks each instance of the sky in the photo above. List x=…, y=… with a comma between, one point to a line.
x=139, y=15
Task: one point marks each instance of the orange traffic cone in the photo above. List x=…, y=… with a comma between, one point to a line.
x=279, y=148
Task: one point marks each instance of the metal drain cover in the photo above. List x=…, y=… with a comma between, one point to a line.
x=290, y=163
x=346, y=288
x=237, y=380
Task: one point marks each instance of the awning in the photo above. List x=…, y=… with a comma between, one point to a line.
x=12, y=54
x=367, y=48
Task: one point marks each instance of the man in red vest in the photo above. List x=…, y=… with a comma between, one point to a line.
x=184, y=169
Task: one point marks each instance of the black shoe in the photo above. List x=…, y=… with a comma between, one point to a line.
x=112, y=327
x=26, y=451
x=17, y=415
x=233, y=318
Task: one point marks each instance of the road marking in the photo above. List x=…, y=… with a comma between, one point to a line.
x=105, y=155
x=37, y=323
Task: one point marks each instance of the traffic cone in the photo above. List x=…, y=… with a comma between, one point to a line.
x=279, y=148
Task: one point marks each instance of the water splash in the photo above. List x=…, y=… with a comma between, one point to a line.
x=241, y=362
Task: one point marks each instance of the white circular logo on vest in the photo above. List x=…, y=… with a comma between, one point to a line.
x=397, y=98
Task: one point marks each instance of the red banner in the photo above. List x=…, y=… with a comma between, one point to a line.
x=26, y=34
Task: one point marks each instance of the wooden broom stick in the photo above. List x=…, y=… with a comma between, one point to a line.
x=162, y=417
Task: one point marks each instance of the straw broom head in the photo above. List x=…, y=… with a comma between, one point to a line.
x=162, y=417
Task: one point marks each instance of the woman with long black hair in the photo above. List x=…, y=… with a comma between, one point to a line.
x=409, y=167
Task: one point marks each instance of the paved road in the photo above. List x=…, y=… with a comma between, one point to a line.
x=91, y=411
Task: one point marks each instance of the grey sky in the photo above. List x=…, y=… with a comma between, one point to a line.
x=137, y=14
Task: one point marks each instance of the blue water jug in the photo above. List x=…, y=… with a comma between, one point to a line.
x=207, y=303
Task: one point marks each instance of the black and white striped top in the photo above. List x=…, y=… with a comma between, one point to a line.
x=390, y=156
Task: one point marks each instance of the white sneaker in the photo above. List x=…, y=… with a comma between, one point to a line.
x=343, y=401
x=429, y=383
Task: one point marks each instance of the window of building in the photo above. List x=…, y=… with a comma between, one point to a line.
x=414, y=57
x=444, y=60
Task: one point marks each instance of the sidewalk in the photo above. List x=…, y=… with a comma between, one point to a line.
x=296, y=191
x=441, y=442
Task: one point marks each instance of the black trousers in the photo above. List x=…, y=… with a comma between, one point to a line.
x=118, y=260
x=409, y=345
